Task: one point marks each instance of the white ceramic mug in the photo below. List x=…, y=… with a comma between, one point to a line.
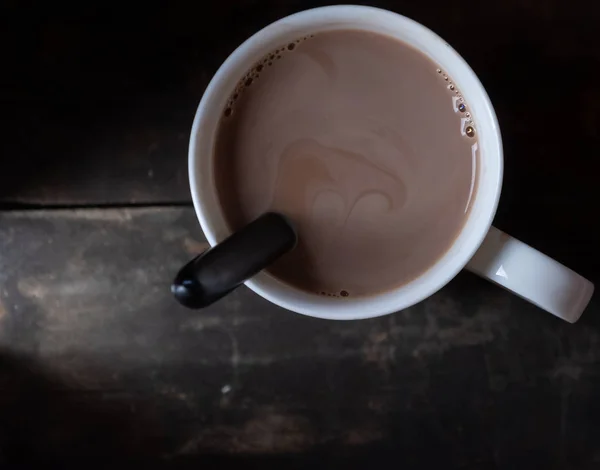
x=479, y=247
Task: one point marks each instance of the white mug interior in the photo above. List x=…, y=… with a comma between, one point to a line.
x=489, y=161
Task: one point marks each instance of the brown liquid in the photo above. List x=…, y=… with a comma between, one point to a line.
x=357, y=138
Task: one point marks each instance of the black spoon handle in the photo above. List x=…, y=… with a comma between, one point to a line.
x=219, y=270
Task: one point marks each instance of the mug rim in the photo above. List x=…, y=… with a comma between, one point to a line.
x=490, y=160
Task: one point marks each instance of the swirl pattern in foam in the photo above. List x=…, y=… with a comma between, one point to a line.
x=365, y=144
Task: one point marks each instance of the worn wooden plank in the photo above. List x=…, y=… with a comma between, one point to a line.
x=97, y=358
x=98, y=102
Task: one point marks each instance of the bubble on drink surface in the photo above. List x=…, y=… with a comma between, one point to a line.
x=458, y=102
x=342, y=293
x=255, y=72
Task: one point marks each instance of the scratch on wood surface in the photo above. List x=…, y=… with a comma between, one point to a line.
x=564, y=414
x=440, y=329
x=580, y=360
x=378, y=349
x=203, y=322
x=31, y=288
x=218, y=323
x=269, y=431
x=447, y=327
x=272, y=431
x=363, y=435
x=467, y=332
x=565, y=370
x=235, y=356
x=49, y=287
x=206, y=321
x=172, y=392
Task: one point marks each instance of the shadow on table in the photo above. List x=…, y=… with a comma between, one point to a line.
x=42, y=418
x=45, y=420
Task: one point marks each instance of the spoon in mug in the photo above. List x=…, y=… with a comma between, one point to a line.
x=220, y=269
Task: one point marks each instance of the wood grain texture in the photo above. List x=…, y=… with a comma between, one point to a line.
x=98, y=101
x=98, y=359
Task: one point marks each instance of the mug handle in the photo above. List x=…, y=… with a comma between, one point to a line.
x=531, y=275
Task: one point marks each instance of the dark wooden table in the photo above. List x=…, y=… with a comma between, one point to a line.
x=98, y=360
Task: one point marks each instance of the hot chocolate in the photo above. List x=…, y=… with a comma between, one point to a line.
x=368, y=147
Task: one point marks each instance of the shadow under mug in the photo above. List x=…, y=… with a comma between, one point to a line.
x=479, y=247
